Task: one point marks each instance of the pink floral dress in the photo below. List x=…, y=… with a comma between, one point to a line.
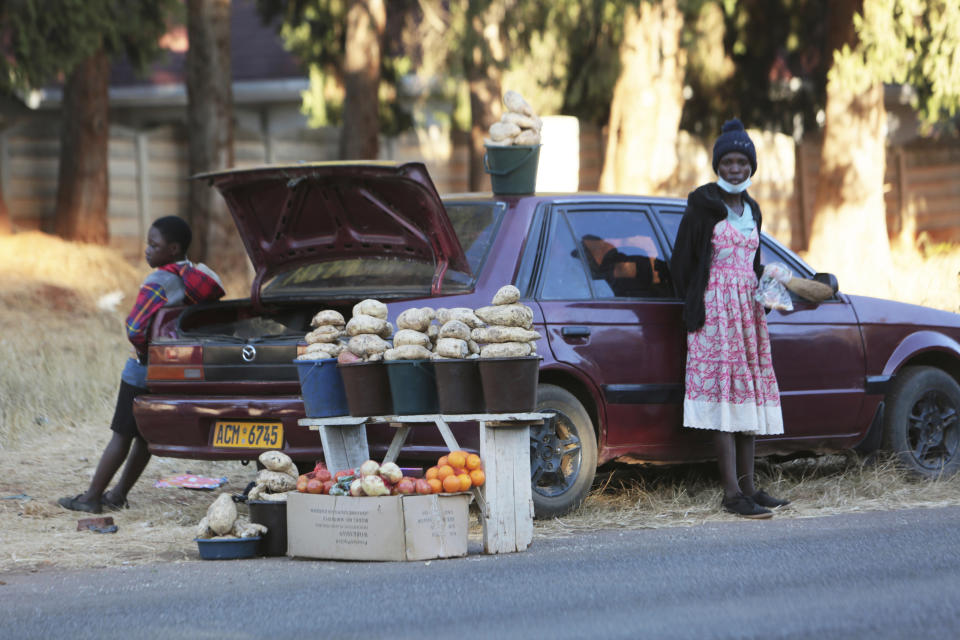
x=730, y=384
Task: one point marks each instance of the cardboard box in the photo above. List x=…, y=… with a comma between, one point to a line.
x=386, y=528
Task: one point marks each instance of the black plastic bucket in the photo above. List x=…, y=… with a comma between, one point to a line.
x=367, y=388
x=510, y=384
x=412, y=387
x=513, y=169
x=272, y=515
x=459, y=389
x=321, y=388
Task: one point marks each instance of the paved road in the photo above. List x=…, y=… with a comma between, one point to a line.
x=878, y=575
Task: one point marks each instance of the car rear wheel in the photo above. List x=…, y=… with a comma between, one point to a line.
x=922, y=423
x=563, y=453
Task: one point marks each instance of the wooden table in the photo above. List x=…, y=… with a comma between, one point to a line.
x=506, y=498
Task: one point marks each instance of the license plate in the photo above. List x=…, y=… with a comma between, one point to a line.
x=248, y=435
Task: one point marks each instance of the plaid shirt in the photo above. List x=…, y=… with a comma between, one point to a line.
x=197, y=285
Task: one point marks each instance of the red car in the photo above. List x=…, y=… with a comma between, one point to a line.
x=854, y=372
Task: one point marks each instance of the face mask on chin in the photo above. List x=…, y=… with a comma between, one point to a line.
x=733, y=188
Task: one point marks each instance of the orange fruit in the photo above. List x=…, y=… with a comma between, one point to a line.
x=444, y=472
x=477, y=477
x=435, y=485
x=442, y=461
x=457, y=459
x=464, y=482
x=451, y=484
x=431, y=473
x=473, y=461
x=458, y=470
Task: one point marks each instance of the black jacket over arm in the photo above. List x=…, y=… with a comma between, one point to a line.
x=690, y=262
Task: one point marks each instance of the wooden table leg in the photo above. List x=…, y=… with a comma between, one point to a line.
x=344, y=447
x=508, y=518
x=399, y=438
x=447, y=434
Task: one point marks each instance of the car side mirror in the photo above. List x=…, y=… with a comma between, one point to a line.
x=828, y=279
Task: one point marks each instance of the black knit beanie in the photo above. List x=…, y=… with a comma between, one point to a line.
x=734, y=138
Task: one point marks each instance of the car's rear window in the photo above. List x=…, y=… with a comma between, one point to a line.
x=474, y=223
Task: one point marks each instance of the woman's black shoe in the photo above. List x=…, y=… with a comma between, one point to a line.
x=743, y=506
x=764, y=499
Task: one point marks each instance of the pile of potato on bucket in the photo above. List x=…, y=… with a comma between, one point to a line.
x=518, y=126
x=500, y=330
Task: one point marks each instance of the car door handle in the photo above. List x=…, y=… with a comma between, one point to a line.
x=575, y=332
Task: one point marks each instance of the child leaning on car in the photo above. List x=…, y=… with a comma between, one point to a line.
x=175, y=281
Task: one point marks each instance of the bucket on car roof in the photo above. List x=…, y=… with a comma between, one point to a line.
x=513, y=170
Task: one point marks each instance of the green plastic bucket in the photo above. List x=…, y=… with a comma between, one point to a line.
x=513, y=170
x=413, y=387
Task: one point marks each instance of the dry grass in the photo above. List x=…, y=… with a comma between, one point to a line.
x=61, y=349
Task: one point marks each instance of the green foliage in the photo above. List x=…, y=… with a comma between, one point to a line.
x=912, y=42
x=44, y=40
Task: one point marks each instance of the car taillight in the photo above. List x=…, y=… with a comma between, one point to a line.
x=175, y=363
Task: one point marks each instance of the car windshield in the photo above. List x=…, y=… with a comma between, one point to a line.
x=474, y=223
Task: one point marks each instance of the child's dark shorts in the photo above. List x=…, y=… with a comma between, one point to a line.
x=123, y=422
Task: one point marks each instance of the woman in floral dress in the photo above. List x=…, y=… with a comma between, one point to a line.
x=730, y=387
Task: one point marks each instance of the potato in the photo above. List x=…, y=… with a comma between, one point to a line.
x=502, y=130
x=452, y=348
x=486, y=335
x=314, y=355
x=416, y=319
x=387, y=331
x=506, y=142
x=465, y=315
x=407, y=352
x=508, y=315
x=326, y=333
x=515, y=102
x=203, y=529
x=276, y=481
x=222, y=514
x=473, y=347
x=505, y=350
x=244, y=529
x=374, y=357
x=277, y=461
x=328, y=317
x=370, y=307
x=454, y=329
x=410, y=336
x=367, y=344
x=432, y=332
x=331, y=349
x=256, y=492
x=507, y=294
x=522, y=120
x=363, y=323
x=526, y=138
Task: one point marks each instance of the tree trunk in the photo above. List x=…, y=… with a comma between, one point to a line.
x=641, y=154
x=359, y=137
x=6, y=227
x=849, y=231
x=82, y=181
x=484, y=57
x=210, y=128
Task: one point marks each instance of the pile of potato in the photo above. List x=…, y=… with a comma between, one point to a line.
x=278, y=476
x=509, y=331
x=325, y=340
x=368, y=331
x=453, y=337
x=519, y=125
x=222, y=521
x=415, y=337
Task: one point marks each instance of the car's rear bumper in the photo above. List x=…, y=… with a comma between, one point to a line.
x=182, y=427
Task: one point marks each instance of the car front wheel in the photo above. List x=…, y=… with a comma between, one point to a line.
x=563, y=453
x=922, y=422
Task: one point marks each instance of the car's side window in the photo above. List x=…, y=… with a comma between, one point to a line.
x=562, y=275
x=622, y=254
x=670, y=220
